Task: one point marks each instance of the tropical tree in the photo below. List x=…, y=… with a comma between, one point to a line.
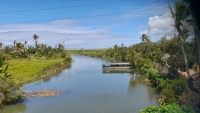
x=145, y=38
x=1, y=44
x=9, y=92
x=179, y=15
x=14, y=43
x=3, y=68
x=60, y=48
x=194, y=11
x=25, y=43
x=19, y=50
x=35, y=38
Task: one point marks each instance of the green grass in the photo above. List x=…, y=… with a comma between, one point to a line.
x=25, y=70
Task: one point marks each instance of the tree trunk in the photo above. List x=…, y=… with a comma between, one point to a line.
x=36, y=45
x=197, y=38
x=183, y=50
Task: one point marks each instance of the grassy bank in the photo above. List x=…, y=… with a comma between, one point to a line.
x=25, y=70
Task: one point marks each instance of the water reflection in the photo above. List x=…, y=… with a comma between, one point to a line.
x=137, y=82
x=133, y=82
x=48, y=78
x=18, y=108
x=91, y=90
x=113, y=71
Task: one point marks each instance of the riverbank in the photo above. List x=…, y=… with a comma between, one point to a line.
x=85, y=85
x=26, y=70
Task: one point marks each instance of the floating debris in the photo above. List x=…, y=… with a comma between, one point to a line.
x=42, y=93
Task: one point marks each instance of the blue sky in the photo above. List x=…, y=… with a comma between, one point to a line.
x=20, y=19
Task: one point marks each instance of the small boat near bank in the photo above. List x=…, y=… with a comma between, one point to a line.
x=117, y=66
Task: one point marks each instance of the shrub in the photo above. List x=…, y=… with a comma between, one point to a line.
x=172, y=108
x=10, y=93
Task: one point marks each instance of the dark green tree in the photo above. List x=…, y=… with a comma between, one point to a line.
x=179, y=15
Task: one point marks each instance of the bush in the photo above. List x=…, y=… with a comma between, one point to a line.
x=172, y=108
x=10, y=93
x=170, y=89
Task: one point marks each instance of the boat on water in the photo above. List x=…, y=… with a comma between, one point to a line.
x=117, y=65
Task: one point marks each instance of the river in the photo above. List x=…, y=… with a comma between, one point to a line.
x=88, y=89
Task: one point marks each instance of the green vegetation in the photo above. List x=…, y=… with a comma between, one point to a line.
x=9, y=91
x=25, y=70
x=170, y=52
x=27, y=63
x=172, y=108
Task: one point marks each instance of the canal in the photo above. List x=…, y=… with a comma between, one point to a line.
x=88, y=89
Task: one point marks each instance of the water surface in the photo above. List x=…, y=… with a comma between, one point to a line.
x=88, y=89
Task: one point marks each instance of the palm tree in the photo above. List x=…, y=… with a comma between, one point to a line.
x=25, y=43
x=145, y=38
x=1, y=44
x=179, y=15
x=14, y=44
x=194, y=11
x=35, y=37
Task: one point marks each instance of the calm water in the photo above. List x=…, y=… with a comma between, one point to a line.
x=87, y=89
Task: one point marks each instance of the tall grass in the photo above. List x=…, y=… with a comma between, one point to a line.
x=25, y=70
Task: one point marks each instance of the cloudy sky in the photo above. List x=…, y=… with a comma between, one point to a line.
x=84, y=24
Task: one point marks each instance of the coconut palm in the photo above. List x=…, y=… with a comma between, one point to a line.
x=179, y=14
x=145, y=38
x=19, y=49
x=1, y=44
x=25, y=43
x=14, y=42
x=194, y=11
x=35, y=38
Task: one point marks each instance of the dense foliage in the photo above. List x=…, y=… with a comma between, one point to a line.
x=27, y=63
x=172, y=108
x=172, y=52
x=9, y=91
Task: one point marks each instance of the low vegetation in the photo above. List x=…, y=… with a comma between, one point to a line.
x=20, y=64
x=171, y=52
x=172, y=108
x=25, y=70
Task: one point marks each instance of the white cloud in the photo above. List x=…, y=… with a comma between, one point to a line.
x=140, y=26
x=55, y=32
x=160, y=26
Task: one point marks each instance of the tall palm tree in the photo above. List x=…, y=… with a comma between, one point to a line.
x=194, y=11
x=14, y=44
x=35, y=38
x=25, y=43
x=1, y=44
x=179, y=14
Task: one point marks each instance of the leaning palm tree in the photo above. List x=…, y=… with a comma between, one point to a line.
x=195, y=21
x=145, y=38
x=179, y=14
x=35, y=38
